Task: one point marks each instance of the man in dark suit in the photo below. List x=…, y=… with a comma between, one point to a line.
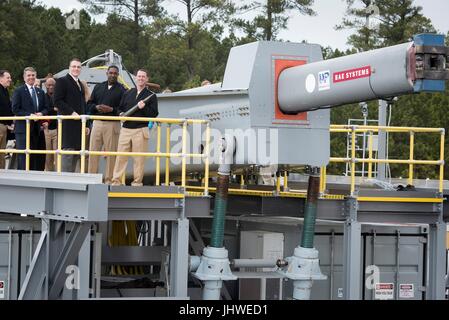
x=69, y=100
x=50, y=126
x=28, y=100
x=5, y=111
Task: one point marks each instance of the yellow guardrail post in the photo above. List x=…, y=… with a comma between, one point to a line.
x=167, y=159
x=442, y=140
x=59, y=155
x=158, y=158
x=285, y=180
x=352, y=160
x=323, y=179
x=206, y=160
x=184, y=152
x=27, y=144
x=370, y=154
x=278, y=182
x=411, y=158
x=83, y=144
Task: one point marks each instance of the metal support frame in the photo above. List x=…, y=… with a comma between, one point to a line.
x=437, y=260
x=382, y=140
x=351, y=252
x=68, y=196
x=179, y=258
x=55, y=251
x=84, y=262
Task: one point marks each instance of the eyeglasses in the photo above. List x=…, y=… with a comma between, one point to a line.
x=75, y=67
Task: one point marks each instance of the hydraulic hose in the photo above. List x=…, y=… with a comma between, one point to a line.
x=310, y=211
x=221, y=202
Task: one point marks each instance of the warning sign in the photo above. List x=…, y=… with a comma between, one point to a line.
x=352, y=74
x=406, y=291
x=384, y=291
x=2, y=289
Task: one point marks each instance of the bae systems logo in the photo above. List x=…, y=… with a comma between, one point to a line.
x=352, y=74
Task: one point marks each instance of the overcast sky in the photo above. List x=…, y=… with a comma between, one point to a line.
x=318, y=29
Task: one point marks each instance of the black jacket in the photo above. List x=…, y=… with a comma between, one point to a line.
x=5, y=105
x=150, y=110
x=110, y=97
x=22, y=105
x=53, y=124
x=69, y=98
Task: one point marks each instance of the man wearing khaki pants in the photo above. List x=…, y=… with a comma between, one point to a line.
x=105, y=101
x=5, y=111
x=134, y=136
x=50, y=126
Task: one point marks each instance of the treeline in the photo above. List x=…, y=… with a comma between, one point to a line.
x=180, y=53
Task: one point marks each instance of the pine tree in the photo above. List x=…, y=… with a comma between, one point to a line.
x=272, y=16
x=139, y=12
x=398, y=21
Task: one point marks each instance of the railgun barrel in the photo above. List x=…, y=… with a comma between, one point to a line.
x=413, y=67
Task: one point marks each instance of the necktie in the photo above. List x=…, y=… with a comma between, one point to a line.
x=34, y=97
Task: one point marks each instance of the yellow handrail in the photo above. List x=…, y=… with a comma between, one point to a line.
x=359, y=128
x=83, y=152
x=206, y=161
x=167, y=159
x=184, y=151
x=411, y=162
x=89, y=117
x=412, y=151
x=370, y=154
x=83, y=145
x=158, y=159
x=59, y=160
x=442, y=139
x=353, y=161
x=27, y=145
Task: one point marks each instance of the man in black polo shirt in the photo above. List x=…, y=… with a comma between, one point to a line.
x=134, y=135
x=105, y=101
x=5, y=111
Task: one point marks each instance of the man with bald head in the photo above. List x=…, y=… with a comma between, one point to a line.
x=50, y=126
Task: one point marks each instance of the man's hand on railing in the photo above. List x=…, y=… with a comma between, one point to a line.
x=37, y=114
x=75, y=114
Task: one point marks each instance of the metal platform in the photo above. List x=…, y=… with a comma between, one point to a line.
x=75, y=202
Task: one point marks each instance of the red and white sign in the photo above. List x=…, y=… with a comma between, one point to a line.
x=2, y=289
x=352, y=74
x=384, y=291
x=406, y=291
